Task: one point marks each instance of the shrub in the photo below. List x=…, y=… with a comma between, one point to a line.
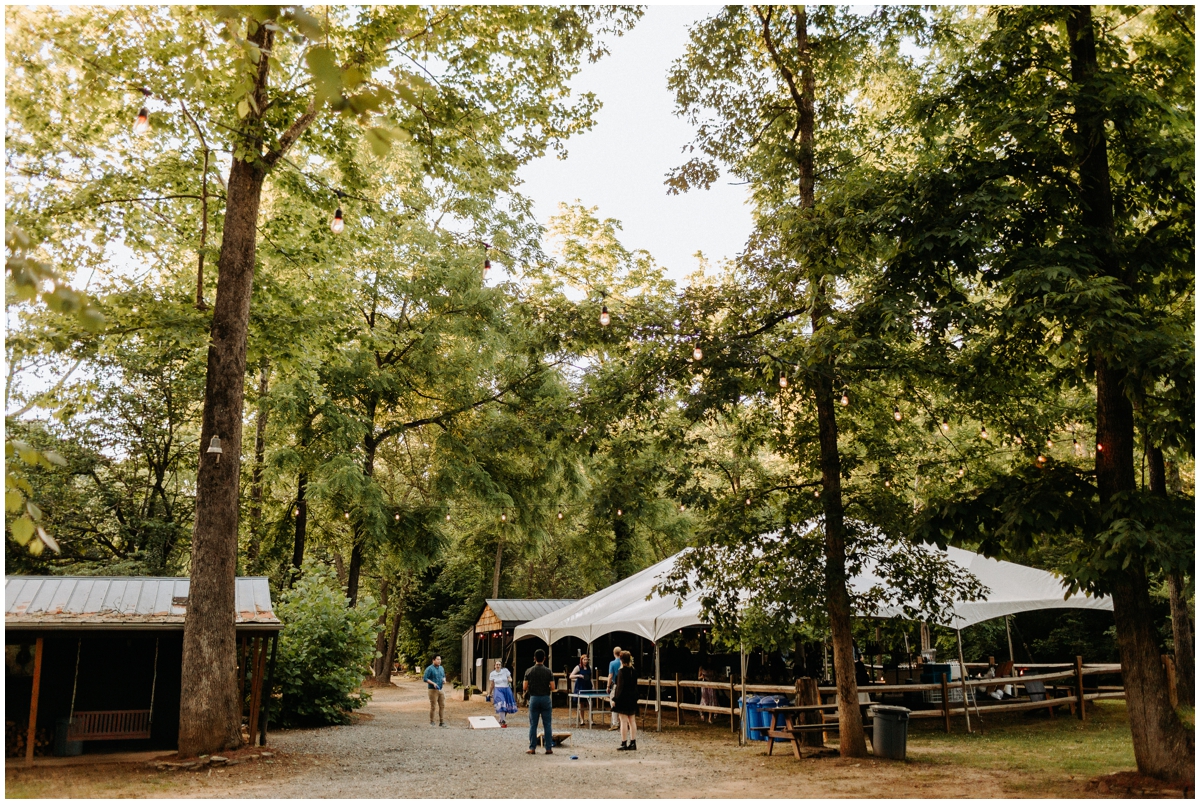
x=325, y=651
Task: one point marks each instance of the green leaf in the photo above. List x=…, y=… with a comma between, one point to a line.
x=22, y=530
x=243, y=108
x=13, y=501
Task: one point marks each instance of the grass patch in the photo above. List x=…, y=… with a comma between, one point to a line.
x=1032, y=742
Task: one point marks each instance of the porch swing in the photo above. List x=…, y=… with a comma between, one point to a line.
x=113, y=724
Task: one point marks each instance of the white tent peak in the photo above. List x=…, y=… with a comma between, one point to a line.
x=631, y=605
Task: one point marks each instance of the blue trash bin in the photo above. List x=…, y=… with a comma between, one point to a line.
x=751, y=714
x=765, y=715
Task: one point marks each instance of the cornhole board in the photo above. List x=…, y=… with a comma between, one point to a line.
x=483, y=722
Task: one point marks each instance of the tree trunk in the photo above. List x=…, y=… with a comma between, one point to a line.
x=256, y=477
x=357, y=552
x=1161, y=745
x=851, y=737
x=1181, y=617
x=381, y=637
x=389, y=659
x=301, y=512
x=209, y=717
x=622, y=565
x=496, y=569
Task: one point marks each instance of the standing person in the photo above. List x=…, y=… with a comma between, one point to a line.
x=538, y=683
x=708, y=695
x=625, y=702
x=614, y=667
x=435, y=677
x=501, y=694
x=582, y=678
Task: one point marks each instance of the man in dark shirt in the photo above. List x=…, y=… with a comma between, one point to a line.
x=538, y=683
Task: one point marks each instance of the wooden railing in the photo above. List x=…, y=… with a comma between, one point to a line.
x=119, y=724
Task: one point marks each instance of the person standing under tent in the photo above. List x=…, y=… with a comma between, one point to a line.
x=625, y=701
x=538, y=683
x=708, y=695
x=581, y=677
x=435, y=677
x=614, y=667
x=500, y=693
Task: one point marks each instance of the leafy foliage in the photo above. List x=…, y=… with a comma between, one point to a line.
x=325, y=651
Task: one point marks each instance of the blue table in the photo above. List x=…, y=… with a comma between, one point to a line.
x=586, y=695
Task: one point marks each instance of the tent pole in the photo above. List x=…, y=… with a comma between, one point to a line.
x=1008, y=632
x=742, y=708
x=657, y=688
x=962, y=666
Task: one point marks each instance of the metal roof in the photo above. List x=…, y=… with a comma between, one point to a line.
x=524, y=610
x=72, y=602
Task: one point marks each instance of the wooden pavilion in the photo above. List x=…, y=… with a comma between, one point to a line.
x=492, y=637
x=98, y=661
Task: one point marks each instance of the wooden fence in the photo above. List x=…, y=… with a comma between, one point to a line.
x=1068, y=681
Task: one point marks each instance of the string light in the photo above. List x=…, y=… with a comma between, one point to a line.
x=619, y=512
x=896, y=414
x=142, y=124
x=560, y=515
x=1041, y=459
x=447, y=517
x=487, y=263
x=697, y=354
x=845, y=399
x=397, y=517
x=887, y=484
x=945, y=425
x=962, y=470
x=346, y=515
x=504, y=517
x=605, y=318
x=783, y=381
x=682, y=507
x=747, y=501
x=816, y=492
x=1099, y=447
x=1049, y=444
x=983, y=433
x=295, y=512
x=1019, y=440
x=338, y=224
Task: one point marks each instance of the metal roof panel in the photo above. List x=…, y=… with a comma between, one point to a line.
x=515, y=610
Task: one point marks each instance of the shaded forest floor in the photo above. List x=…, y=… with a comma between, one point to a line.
x=391, y=751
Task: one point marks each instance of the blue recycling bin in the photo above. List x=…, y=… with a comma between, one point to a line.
x=765, y=715
x=750, y=707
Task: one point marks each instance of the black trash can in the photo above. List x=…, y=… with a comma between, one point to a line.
x=889, y=736
x=62, y=746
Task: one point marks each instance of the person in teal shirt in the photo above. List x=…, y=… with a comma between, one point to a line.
x=614, y=667
x=435, y=677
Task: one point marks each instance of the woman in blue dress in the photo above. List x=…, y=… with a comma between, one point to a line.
x=500, y=690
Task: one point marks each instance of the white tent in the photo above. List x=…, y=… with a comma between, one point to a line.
x=624, y=606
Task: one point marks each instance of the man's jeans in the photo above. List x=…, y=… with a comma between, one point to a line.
x=540, y=706
x=437, y=703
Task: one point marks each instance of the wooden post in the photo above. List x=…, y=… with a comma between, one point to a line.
x=678, y=701
x=242, y=679
x=259, y=654
x=1172, y=688
x=962, y=667
x=266, y=703
x=808, y=693
x=945, y=701
x=31, y=741
x=1079, y=687
x=732, y=701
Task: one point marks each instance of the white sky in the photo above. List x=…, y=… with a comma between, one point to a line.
x=620, y=164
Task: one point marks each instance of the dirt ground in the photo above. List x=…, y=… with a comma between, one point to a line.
x=391, y=751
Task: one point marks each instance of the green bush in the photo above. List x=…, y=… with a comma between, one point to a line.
x=325, y=651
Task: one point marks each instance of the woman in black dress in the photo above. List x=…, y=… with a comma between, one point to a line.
x=625, y=702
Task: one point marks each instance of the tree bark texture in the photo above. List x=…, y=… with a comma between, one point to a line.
x=381, y=637
x=851, y=737
x=301, y=513
x=209, y=717
x=357, y=551
x=1162, y=746
x=256, y=476
x=496, y=569
x=1181, y=617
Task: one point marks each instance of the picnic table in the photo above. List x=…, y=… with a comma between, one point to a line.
x=790, y=730
x=585, y=695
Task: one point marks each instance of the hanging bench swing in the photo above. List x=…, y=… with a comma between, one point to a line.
x=114, y=724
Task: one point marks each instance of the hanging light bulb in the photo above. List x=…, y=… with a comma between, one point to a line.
x=295, y=512
x=1049, y=444
x=397, y=517
x=697, y=354
x=619, y=512
x=560, y=515
x=816, y=492
x=1041, y=459
x=1099, y=447
x=845, y=399
x=887, y=484
x=783, y=381
x=682, y=507
x=504, y=517
x=338, y=224
x=747, y=501
x=346, y=515
x=962, y=470
x=447, y=517
x=1019, y=440
x=945, y=425
x=983, y=433
x=487, y=266
x=896, y=414
x=142, y=124
x=605, y=318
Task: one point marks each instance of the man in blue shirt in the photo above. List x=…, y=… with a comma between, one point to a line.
x=614, y=667
x=435, y=677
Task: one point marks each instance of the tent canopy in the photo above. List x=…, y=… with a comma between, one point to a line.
x=624, y=606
